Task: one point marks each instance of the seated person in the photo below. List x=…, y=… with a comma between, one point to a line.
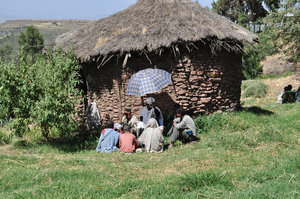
x=152, y=137
x=288, y=96
x=118, y=127
x=139, y=128
x=128, y=142
x=128, y=117
x=108, y=139
x=151, y=111
x=183, y=128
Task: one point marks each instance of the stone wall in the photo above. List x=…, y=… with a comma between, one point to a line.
x=202, y=83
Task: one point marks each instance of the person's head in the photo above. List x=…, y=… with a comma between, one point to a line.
x=109, y=124
x=289, y=87
x=180, y=112
x=152, y=123
x=126, y=128
x=118, y=127
x=149, y=102
x=127, y=111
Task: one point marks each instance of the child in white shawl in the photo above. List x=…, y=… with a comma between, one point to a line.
x=152, y=137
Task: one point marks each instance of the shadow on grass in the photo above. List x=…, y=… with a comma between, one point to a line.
x=257, y=110
x=83, y=140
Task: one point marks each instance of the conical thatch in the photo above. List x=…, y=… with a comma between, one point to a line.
x=149, y=25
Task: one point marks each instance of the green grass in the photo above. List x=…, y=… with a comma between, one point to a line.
x=253, y=153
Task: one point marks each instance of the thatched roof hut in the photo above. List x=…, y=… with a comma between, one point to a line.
x=152, y=31
x=150, y=25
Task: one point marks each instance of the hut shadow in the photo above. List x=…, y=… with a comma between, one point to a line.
x=84, y=140
x=257, y=110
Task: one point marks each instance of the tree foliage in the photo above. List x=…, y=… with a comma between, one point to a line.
x=252, y=10
x=31, y=41
x=40, y=93
x=285, y=28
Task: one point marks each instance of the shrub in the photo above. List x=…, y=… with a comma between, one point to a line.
x=40, y=91
x=254, y=88
x=205, y=123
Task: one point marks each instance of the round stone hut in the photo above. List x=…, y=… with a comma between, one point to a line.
x=202, y=50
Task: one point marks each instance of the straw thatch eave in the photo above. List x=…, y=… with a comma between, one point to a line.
x=149, y=25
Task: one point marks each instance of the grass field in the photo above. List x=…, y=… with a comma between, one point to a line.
x=254, y=153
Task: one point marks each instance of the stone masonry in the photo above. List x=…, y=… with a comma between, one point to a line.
x=202, y=82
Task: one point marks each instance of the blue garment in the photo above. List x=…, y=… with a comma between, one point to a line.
x=108, y=141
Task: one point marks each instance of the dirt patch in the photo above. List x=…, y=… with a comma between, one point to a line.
x=277, y=64
x=275, y=86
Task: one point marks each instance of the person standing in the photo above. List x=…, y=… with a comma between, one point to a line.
x=151, y=111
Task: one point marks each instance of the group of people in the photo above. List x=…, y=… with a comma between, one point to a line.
x=288, y=95
x=145, y=132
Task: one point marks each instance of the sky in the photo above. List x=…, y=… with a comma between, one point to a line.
x=65, y=9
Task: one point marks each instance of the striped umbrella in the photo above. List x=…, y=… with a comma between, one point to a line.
x=148, y=81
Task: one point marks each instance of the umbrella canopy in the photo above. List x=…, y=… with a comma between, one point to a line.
x=148, y=81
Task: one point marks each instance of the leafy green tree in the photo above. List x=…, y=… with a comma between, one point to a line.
x=238, y=9
x=285, y=28
x=253, y=54
x=31, y=41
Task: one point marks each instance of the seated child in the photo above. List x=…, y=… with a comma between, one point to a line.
x=118, y=127
x=108, y=139
x=128, y=142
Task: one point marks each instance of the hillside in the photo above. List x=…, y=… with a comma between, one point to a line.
x=50, y=29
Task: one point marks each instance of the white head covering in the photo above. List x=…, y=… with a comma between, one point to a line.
x=118, y=126
x=150, y=100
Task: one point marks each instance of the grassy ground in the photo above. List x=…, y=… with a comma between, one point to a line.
x=253, y=153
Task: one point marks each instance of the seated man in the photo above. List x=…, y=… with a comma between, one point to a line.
x=152, y=137
x=128, y=142
x=108, y=139
x=151, y=111
x=183, y=128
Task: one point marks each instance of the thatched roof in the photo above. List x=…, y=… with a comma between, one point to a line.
x=149, y=25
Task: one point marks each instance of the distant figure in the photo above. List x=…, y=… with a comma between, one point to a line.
x=285, y=89
x=152, y=137
x=183, y=128
x=108, y=139
x=128, y=142
x=288, y=96
x=151, y=111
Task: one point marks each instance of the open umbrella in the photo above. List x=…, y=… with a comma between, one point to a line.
x=148, y=81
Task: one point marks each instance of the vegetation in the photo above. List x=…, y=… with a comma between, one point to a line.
x=254, y=88
x=30, y=41
x=244, y=11
x=243, y=154
x=285, y=28
x=39, y=91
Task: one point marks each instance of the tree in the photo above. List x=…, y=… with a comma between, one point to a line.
x=238, y=9
x=285, y=28
x=31, y=41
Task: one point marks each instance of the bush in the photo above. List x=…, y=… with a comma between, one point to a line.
x=205, y=123
x=40, y=91
x=254, y=88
